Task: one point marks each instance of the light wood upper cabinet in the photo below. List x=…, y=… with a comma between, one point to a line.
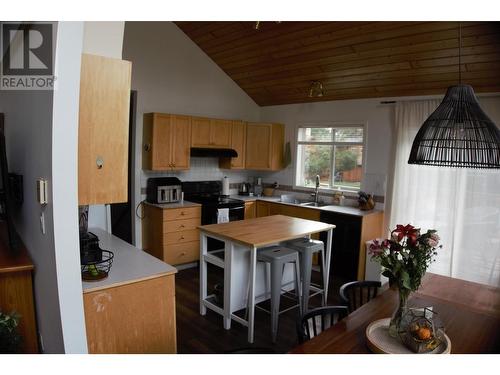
x=103, y=130
x=264, y=146
x=166, y=142
x=181, y=139
x=211, y=133
x=220, y=133
x=200, y=132
x=238, y=143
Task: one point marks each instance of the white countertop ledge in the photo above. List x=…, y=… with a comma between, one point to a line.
x=346, y=210
x=130, y=264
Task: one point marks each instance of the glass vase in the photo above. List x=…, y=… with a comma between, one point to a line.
x=396, y=319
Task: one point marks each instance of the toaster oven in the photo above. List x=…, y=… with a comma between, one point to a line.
x=163, y=190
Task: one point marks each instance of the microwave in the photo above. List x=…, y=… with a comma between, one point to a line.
x=163, y=190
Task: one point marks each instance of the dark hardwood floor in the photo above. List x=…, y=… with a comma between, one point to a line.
x=205, y=334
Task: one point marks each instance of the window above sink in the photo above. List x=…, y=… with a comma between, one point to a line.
x=335, y=152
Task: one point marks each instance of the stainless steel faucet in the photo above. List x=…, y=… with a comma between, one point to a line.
x=316, y=191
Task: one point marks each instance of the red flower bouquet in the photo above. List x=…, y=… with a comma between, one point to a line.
x=405, y=258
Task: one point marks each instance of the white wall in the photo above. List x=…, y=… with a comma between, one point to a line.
x=103, y=38
x=378, y=119
x=65, y=184
x=28, y=133
x=173, y=75
x=41, y=136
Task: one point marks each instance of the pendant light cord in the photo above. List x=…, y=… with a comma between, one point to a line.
x=460, y=52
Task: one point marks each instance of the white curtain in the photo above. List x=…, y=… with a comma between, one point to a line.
x=462, y=204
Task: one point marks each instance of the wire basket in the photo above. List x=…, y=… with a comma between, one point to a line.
x=420, y=333
x=99, y=269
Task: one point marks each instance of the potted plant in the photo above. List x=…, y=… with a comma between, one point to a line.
x=405, y=258
x=10, y=339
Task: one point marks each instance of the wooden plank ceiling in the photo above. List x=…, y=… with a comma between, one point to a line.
x=276, y=63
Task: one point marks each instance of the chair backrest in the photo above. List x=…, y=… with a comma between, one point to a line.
x=316, y=321
x=356, y=293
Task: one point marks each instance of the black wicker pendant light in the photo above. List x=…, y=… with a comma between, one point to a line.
x=458, y=133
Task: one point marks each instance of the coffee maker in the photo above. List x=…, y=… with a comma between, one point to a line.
x=257, y=189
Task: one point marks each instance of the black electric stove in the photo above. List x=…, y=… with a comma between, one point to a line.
x=208, y=194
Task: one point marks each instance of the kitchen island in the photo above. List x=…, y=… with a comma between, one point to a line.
x=241, y=241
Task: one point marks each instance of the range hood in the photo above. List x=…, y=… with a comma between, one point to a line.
x=213, y=152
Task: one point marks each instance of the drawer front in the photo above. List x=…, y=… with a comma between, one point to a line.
x=181, y=213
x=182, y=253
x=181, y=225
x=181, y=237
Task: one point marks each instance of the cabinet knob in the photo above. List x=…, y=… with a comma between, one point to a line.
x=182, y=237
x=183, y=213
x=183, y=253
x=182, y=226
x=147, y=147
x=99, y=162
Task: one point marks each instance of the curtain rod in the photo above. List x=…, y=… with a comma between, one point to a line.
x=390, y=102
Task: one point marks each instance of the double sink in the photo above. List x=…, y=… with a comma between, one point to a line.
x=290, y=199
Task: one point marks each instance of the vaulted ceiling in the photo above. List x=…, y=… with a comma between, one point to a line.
x=276, y=63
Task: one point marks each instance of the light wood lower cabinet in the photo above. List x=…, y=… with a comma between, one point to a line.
x=133, y=318
x=271, y=208
x=16, y=291
x=250, y=210
x=171, y=234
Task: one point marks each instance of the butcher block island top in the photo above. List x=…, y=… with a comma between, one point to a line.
x=266, y=230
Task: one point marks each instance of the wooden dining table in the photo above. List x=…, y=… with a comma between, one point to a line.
x=470, y=313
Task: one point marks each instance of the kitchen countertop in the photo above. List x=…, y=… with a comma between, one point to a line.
x=346, y=210
x=183, y=204
x=130, y=264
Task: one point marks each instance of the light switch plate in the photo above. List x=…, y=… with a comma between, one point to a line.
x=41, y=191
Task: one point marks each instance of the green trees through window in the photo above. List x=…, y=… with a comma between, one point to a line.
x=335, y=154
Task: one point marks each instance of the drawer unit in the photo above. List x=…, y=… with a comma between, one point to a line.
x=170, y=214
x=181, y=237
x=182, y=253
x=180, y=225
x=171, y=234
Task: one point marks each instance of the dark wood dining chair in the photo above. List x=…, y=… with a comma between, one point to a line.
x=356, y=293
x=317, y=320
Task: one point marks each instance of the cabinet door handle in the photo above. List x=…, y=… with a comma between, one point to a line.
x=99, y=162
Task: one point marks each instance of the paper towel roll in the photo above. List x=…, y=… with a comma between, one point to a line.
x=225, y=186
